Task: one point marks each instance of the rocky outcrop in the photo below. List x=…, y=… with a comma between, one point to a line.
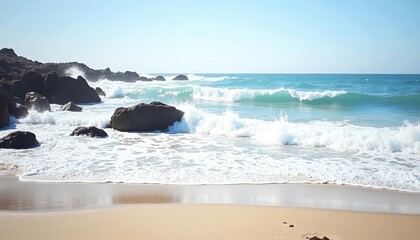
x=61, y=90
x=159, y=78
x=37, y=102
x=181, y=77
x=19, y=140
x=71, y=107
x=155, y=116
x=100, y=92
x=89, y=131
x=12, y=66
x=4, y=112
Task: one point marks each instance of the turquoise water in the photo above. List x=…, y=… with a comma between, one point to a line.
x=241, y=128
x=374, y=100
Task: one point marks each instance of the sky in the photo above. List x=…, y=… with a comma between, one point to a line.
x=229, y=36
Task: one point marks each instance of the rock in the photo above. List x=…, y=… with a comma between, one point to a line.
x=20, y=111
x=37, y=102
x=159, y=78
x=89, y=131
x=61, y=90
x=19, y=140
x=7, y=106
x=4, y=112
x=181, y=77
x=145, y=79
x=145, y=117
x=8, y=51
x=99, y=91
x=29, y=82
x=71, y=107
x=317, y=238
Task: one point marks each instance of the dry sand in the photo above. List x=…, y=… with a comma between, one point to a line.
x=123, y=211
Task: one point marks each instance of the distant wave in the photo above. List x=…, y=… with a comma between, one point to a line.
x=272, y=95
x=195, y=77
x=338, y=136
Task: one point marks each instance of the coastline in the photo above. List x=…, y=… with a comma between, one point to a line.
x=147, y=211
x=22, y=196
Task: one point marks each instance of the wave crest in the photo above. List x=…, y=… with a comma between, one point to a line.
x=334, y=135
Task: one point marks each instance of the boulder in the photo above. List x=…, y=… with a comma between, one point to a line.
x=20, y=111
x=159, y=78
x=145, y=117
x=71, y=107
x=181, y=77
x=37, y=102
x=89, y=131
x=61, y=90
x=19, y=140
x=99, y=91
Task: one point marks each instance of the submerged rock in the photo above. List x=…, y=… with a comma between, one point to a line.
x=19, y=140
x=37, y=102
x=145, y=117
x=181, y=77
x=99, y=91
x=89, y=131
x=159, y=78
x=71, y=107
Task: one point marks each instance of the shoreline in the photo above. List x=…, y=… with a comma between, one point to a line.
x=22, y=196
x=81, y=211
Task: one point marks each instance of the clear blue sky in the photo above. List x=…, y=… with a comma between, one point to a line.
x=365, y=36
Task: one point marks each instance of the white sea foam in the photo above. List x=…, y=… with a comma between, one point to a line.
x=339, y=136
x=74, y=72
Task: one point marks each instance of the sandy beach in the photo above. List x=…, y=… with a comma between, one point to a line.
x=139, y=211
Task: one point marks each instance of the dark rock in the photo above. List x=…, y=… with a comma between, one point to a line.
x=291, y=225
x=19, y=140
x=317, y=238
x=37, y=102
x=29, y=82
x=71, y=107
x=99, y=91
x=20, y=111
x=145, y=117
x=145, y=79
x=13, y=66
x=61, y=90
x=4, y=112
x=89, y=131
x=8, y=51
x=181, y=77
x=159, y=78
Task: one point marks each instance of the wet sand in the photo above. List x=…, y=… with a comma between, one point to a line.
x=138, y=211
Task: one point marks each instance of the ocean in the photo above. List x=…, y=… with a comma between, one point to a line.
x=352, y=129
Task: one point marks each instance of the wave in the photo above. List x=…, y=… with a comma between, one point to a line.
x=334, y=135
x=191, y=92
x=66, y=118
x=265, y=95
x=195, y=77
